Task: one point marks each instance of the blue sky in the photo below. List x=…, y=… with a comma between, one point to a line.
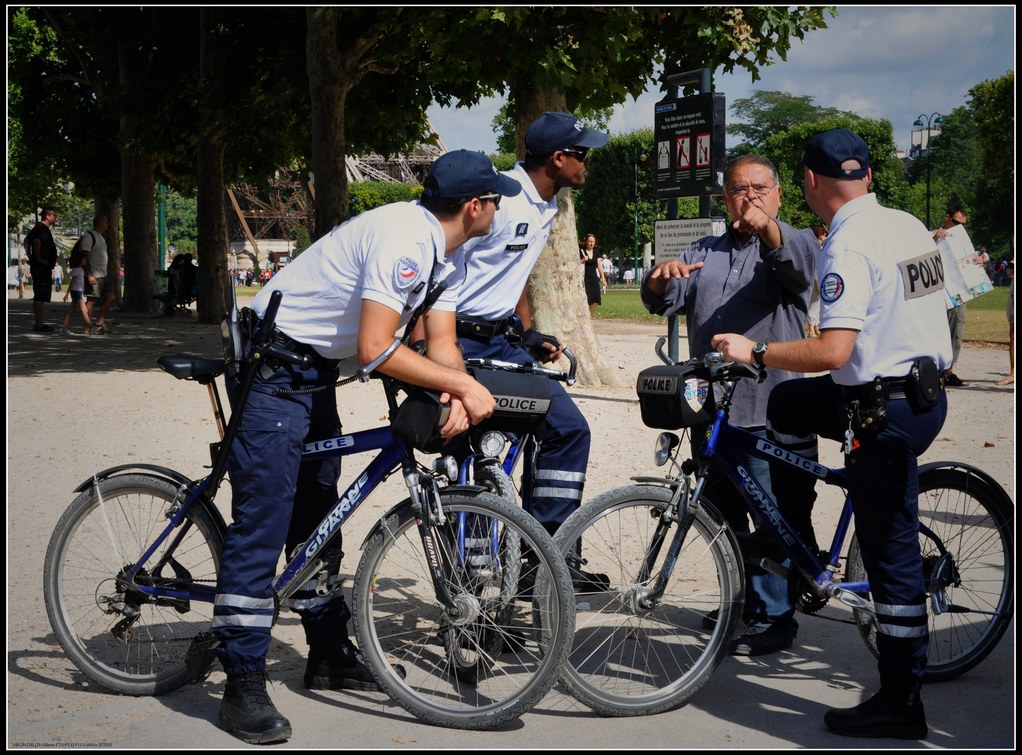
x=893, y=62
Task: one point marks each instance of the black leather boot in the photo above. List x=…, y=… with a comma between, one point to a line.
x=883, y=715
x=338, y=666
x=247, y=712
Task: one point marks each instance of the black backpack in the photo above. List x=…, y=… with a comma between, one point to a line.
x=76, y=250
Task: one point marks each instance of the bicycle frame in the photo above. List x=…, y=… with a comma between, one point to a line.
x=730, y=446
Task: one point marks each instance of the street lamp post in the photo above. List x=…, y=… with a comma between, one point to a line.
x=928, y=121
x=637, y=157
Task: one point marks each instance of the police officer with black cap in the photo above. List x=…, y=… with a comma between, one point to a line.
x=345, y=295
x=884, y=343
x=557, y=147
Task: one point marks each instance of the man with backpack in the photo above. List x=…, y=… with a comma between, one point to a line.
x=93, y=244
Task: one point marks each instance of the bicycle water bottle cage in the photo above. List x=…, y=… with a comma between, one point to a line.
x=673, y=396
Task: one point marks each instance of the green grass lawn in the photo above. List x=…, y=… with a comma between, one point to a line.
x=986, y=320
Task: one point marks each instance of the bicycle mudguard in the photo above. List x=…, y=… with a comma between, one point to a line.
x=165, y=473
x=450, y=489
x=972, y=471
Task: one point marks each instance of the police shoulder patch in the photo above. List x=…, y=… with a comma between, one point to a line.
x=406, y=271
x=831, y=287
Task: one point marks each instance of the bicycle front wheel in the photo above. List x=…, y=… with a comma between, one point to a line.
x=499, y=649
x=636, y=653
x=973, y=575
x=121, y=638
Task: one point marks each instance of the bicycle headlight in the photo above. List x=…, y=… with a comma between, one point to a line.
x=447, y=466
x=665, y=444
x=492, y=444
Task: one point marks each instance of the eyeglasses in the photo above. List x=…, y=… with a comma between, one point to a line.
x=580, y=154
x=760, y=190
x=956, y=221
x=495, y=198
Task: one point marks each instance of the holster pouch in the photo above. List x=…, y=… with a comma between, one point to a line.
x=923, y=385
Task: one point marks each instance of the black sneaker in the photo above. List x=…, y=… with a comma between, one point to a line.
x=42, y=328
x=338, y=667
x=882, y=715
x=772, y=639
x=584, y=581
x=247, y=712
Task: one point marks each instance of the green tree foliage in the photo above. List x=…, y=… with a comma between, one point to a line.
x=365, y=195
x=182, y=221
x=767, y=113
x=994, y=205
x=786, y=150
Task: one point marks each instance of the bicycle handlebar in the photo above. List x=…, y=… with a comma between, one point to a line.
x=532, y=368
x=720, y=370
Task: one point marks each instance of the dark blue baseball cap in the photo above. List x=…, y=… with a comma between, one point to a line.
x=553, y=131
x=826, y=152
x=463, y=174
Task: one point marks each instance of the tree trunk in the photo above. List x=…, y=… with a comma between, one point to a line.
x=557, y=296
x=213, y=243
x=329, y=84
x=138, y=184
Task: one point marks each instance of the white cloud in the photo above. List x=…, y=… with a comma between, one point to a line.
x=892, y=62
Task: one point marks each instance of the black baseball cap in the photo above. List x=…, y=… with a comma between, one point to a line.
x=827, y=151
x=553, y=131
x=463, y=174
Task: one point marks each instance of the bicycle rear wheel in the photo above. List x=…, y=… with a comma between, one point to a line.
x=630, y=660
x=120, y=638
x=494, y=657
x=974, y=523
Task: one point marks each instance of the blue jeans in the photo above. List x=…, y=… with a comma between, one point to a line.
x=767, y=601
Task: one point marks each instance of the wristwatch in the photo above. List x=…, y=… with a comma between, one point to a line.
x=758, y=352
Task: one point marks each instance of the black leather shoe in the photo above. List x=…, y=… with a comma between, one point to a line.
x=770, y=640
x=248, y=713
x=882, y=715
x=584, y=581
x=338, y=667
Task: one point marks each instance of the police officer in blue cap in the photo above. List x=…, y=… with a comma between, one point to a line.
x=557, y=154
x=345, y=295
x=883, y=341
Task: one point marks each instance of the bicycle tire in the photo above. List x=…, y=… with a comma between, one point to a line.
x=90, y=547
x=401, y=625
x=630, y=661
x=974, y=521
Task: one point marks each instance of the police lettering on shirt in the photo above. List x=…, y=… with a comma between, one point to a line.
x=922, y=275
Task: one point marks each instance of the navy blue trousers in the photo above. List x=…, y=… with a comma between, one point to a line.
x=277, y=501
x=883, y=483
x=555, y=463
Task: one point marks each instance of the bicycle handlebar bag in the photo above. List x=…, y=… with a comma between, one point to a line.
x=523, y=400
x=419, y=419
x=673, y=396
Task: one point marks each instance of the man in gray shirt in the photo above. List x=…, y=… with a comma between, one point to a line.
x=757, y=280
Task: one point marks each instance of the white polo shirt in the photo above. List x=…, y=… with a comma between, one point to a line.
x=499, y=264
x=384, y=255
x=880, y=273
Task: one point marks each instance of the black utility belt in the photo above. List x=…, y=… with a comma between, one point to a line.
x=882, y=389
x=478, y=328
x=922, y=387
x=302, y=349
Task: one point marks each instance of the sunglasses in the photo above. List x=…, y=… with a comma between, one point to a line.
x=495, y=198
x=579, y=154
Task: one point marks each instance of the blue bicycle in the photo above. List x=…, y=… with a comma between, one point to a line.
x=131, y=570
x=676, y=570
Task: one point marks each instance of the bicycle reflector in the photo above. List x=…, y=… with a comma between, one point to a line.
x=676, y=395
